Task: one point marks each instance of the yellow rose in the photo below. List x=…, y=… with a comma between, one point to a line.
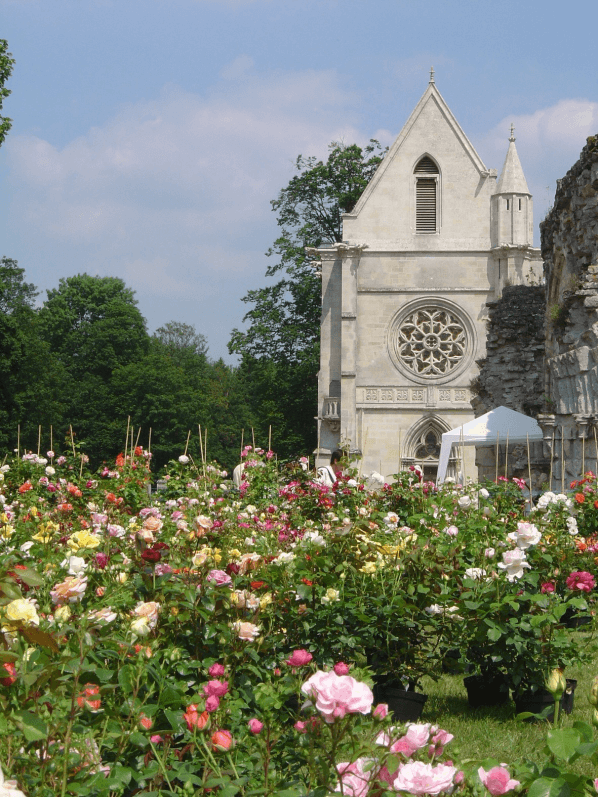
x=4, y=517
x=62, y=614
x=122, y=578
x=42, y=536
x=369, y=567
x=83, y=539
x=6, y=531
x=21, y=612
x=265, y=600
x=34, y=511
x=233, y=553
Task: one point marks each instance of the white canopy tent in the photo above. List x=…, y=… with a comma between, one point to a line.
x=498, y=425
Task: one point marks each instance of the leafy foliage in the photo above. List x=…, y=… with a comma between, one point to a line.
x=6, y=65
x=280, y=348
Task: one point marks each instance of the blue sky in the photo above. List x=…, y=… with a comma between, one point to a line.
x=149, y=136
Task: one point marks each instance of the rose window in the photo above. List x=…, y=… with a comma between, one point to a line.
x=430, y=342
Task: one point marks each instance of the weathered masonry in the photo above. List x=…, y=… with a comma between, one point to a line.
x=434, y=237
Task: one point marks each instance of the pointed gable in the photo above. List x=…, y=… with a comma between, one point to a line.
x=390, y=209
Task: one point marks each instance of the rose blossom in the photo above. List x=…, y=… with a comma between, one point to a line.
x=255, y=726
x=222, y=740
x=354, y=779
x=219, y=578
x=337, y=695
x=340, y=668
x=299, y=658
x=216, y=670
x=526, y=535
x=381, y=711
x=71, y=590
x=418, y=778
x=497, y=780
x=217, y=688
x=212, y=703
x=148, y=611
x=194, y=720
x=246, y=631
x=513, y=562
x=581, y=580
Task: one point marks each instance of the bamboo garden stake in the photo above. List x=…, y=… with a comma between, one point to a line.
x=270, y=437
x=242, y=441
x=39, y=438
x=507, y=457
x=18, y=440
x=529, y=472
x=562, y=459
x=496, y=464
x=187, y=443
x=73, y=441
x=51, y=440
x=583, y=455
x=149, y=441
x=551, y=458
x=127, y=436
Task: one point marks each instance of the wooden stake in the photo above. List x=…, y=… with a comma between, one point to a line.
x=596, y=448
x=583, y=456
x=81, y=468
x=551, y=458
x=496, y=465
x=131, y=451
x=270, y=437
x=562, y=459
x=253, y=438
x=127, y=436
x=72, y=440
x=507, y=457
x=51, y=440
x=149, y=442
x=529, y=472
x=318, y=448
x=400, y=453
x=39, y=438
x=137, y=440
x=200, y=441
x=18, y=440
x=242, y=436
x=187, y=443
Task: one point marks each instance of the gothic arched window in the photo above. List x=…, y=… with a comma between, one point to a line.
x=426, y=196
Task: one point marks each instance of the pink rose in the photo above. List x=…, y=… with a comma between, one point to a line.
x=497, y=780
x=337, y=695
x=381, y=711
x=255, y=726
x=299, y=658
x=300, y=726
x=340, y=668
x=212, y=703
x=216, y=688
x=418, y=778
x=216, y=670
x=219, y=578
x=582, y=580
x=354, y=779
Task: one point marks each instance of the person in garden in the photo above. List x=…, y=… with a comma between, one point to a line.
x=329, y=474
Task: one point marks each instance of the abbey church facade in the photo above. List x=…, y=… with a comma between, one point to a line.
x=434, y=237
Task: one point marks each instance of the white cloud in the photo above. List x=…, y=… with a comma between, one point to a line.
x=549, y=141
x=173, y=194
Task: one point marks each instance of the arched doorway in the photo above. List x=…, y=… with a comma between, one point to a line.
x=422, y=447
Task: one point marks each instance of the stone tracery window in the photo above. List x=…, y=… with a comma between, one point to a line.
x=431, y=342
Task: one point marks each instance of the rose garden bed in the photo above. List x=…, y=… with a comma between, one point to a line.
x=214, y=640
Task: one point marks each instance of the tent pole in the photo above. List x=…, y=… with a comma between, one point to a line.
x=529, y=472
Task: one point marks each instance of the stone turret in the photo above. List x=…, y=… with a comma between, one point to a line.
x=513, y=224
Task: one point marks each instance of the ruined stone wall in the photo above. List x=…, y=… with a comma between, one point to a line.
x=570, y=253
x=512, y=375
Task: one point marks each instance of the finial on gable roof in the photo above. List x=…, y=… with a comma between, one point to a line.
x=512, y=136
x=432, y=75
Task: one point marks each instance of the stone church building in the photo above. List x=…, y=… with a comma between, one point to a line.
x=434, y=237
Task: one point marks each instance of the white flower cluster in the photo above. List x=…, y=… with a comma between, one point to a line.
x=549, y=500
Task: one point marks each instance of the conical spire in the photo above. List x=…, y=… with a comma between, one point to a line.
x=512, y=180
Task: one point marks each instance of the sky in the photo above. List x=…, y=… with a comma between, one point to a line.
x=150, y=136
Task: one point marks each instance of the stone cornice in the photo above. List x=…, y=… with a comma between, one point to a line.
x=342, y=250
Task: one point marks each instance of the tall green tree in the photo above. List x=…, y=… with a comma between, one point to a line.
x=280, y=348
x=6, y=65
x=93, y=327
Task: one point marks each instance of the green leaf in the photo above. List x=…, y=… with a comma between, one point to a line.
x=30, y=577
x=125, y=678
x=547, y=787
x=563, y=743
x=494, y=634
x=33, y=727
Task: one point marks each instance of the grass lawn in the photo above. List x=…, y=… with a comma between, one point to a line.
x=493, y=731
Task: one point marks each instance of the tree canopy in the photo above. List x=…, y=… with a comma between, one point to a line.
x=6, y=65
x=279, y=350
